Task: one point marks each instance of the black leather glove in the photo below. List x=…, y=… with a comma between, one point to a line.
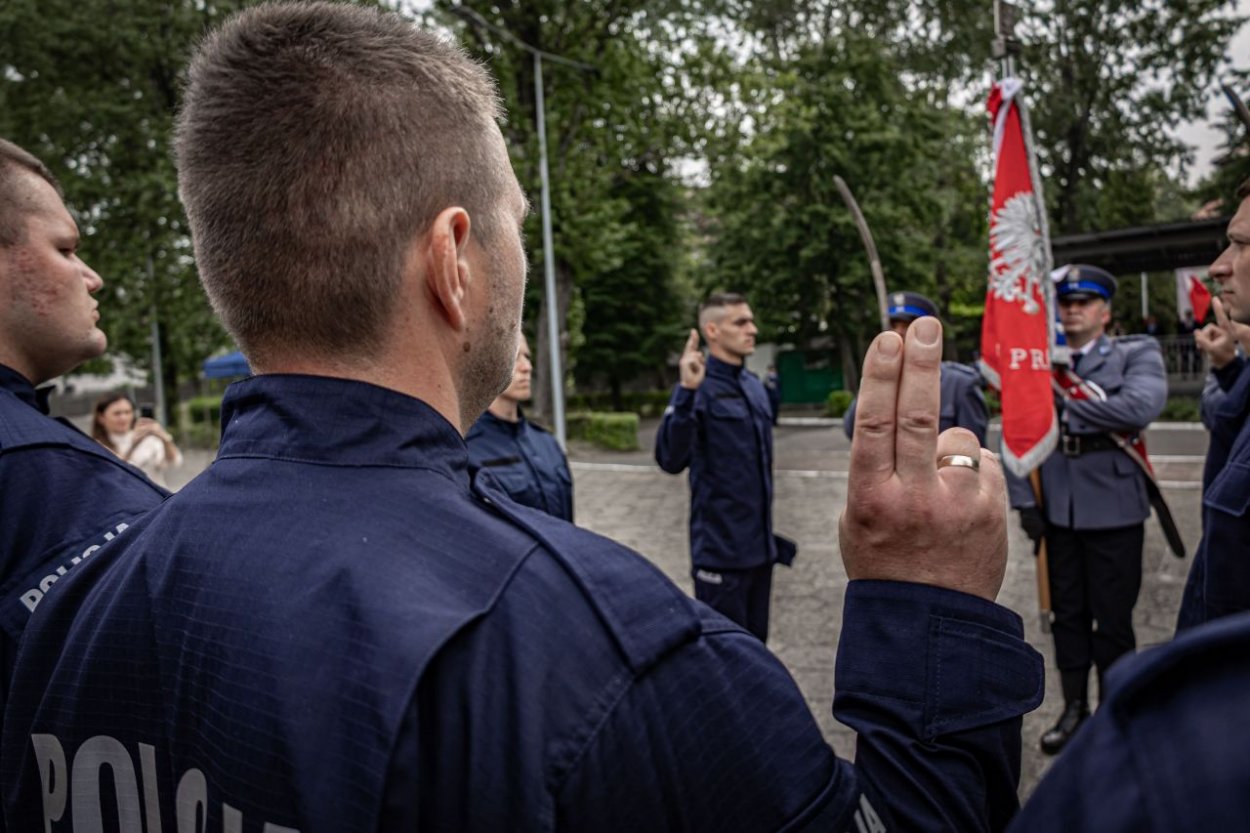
x=1034, y=525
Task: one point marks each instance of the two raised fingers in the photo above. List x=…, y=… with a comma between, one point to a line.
x=896, y=418
x=692, y=343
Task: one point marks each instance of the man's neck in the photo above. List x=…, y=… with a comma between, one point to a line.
x=506, y=409
x=721, y=355
x=1077, y=343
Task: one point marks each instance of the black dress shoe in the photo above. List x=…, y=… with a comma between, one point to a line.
x=1074, y=714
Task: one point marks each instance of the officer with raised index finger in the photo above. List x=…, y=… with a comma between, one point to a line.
x=719, y=424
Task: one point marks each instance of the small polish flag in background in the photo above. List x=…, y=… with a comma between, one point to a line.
x=1192, y=293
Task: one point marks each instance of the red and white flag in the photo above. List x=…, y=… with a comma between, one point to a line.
x=1018, y=329
x=1192, y=294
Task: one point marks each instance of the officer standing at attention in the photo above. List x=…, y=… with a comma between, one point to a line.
x=963, y=403
x=1094, y=494
x=1219, y=579
x=525, y=459
x=719, y=424
x=332, y=629
x=62, y=494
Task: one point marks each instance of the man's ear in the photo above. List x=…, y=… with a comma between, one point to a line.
x=709, y=331
x=446, y=266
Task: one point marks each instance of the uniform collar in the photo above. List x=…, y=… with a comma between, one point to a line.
x=18, y=385
x=490, y=419
x=725, y=370
x=340, y=422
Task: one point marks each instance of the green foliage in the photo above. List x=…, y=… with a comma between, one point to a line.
x=91, y=87
x=993, y=402
x=1180, y=409
x=643, y=403
x=1105, y=78
x=617, y=432
x=838, y=402
x=201, y=410
x=781, y=232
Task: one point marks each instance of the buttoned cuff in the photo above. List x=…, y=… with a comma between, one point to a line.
x=947, y=661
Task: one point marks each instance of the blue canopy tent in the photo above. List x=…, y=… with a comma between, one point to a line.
x=227, y=366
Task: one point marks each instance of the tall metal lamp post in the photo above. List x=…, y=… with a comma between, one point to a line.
x=549, y=263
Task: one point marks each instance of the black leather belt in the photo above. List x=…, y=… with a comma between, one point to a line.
x=1074, y=445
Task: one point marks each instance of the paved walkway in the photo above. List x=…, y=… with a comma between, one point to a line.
x=624, y=496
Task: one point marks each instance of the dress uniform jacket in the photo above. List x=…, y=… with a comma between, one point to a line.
x=526, y=460
x=1219, y=580
x=332, y=630
x=963, y=403
x=62, y=495
x=723, y=431
x=1103, y=489
x=1168, y=751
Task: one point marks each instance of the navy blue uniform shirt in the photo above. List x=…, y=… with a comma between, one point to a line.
x=1219, y=579
x=723, y=431
x=62, y=495
x=332, y=630
x=1168, y=750
x=525, y=459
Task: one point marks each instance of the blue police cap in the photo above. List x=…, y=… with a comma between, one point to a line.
x=908, y=306
x=1082, y=281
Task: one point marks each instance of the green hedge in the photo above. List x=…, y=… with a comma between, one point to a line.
x=203, y=410
x=650, y=403
x=1180, y=409
x=614, y=431
x=838, y=402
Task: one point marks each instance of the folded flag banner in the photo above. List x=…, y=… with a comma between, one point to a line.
x=1018, y=329
x=1192, y=293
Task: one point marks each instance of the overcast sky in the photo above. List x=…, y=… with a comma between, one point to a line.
x=1204, y=135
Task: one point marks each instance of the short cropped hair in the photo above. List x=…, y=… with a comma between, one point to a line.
x=717, y=301
x=314, y=142
x=14, y=163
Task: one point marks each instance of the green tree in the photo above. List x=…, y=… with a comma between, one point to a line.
x=1106, y=81
x=91, y=87
x=629, y=117
x=780, y=230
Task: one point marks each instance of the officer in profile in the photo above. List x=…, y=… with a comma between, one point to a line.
x=524, y=458
x=1219, y=579
x=332, y=629
x=719, y=424
x=963, y=403
x=62, y=494
x=1095, y=499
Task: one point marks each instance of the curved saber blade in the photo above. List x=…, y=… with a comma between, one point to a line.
x=1239, y=107
x=874, y=262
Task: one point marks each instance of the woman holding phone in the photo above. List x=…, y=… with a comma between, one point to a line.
x=139, y=440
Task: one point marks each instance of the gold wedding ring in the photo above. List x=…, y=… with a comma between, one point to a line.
x=960, y=460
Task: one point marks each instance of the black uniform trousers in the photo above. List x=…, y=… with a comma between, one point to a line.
x=742, y=596
x=1095, y=576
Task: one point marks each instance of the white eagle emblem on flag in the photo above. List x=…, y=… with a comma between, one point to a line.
x=1019, y=258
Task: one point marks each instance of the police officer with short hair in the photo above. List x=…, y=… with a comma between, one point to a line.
x=963, y=403
x=62, y=494
x=525, y=460
x=333, y=629
x=1095, y=499
x=719, y=424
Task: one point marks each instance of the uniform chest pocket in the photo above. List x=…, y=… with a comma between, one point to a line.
x=1230, y=492
x=728, y=407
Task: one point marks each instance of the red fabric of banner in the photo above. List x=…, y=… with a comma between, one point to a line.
x=1016, y=329
x=1199, y=298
